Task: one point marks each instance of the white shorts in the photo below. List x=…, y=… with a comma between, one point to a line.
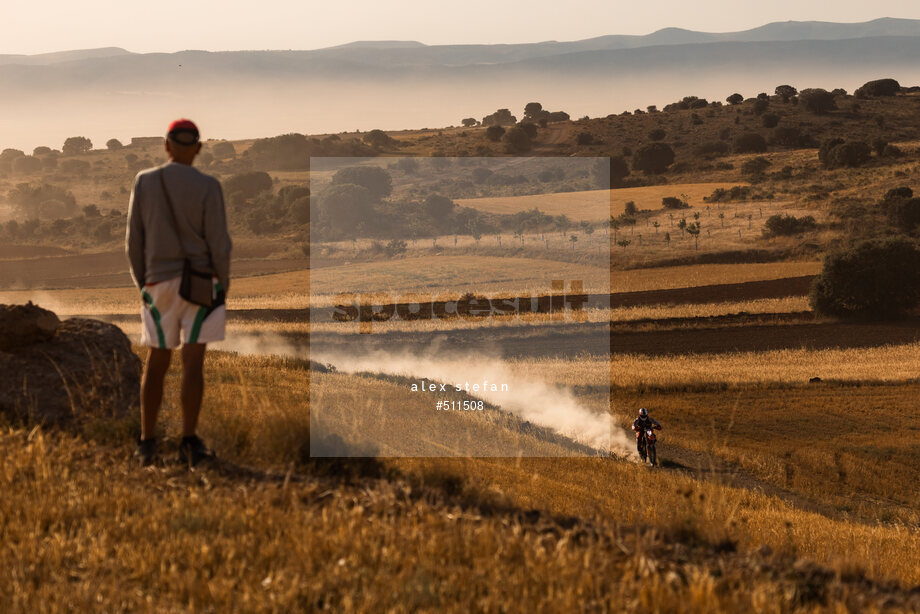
x=167, y=317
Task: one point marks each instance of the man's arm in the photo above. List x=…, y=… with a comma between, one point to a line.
x=217, y=236
x=134, y=237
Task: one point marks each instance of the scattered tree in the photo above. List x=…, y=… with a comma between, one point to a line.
x=502, y=117
x=770, y=120
x=836, y=153
x=653, y=158
x=785, y=92
x=875, y=279
x=750, y=142
x=817, y=100
x=76, y=145
x=376, y=180
x=755, y=167
x=879, y=87
x=516, y=140
x=495, y=133
x=784, y=225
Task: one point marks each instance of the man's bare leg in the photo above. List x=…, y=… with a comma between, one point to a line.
x=152, y=389
x=192, y=385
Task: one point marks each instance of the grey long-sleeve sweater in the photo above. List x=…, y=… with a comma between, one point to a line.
x=155, y=252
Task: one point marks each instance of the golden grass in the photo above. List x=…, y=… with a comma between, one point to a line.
x=262, y=406
x=84, y=529
x=896, y=363
x=850, y=448
x=740, y=228
x=884, y=363
x=85, y=532
x=451, y=276
x=688, y=276
x=275, y=291
x=594, y=205
x=619, y=314
x=588, y=205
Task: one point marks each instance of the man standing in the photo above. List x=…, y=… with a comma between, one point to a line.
x=176, y=213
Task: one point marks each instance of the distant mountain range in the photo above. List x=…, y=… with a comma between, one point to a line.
x=406, y=84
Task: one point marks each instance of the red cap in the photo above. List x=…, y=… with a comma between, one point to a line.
x=183, y=124
x=183, y=131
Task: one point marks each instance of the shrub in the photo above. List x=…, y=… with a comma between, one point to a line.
x=817, y=100
x=653, y=158
x=904, y=213
x=760, y=106
x=495, y=133
x=755, y=167
x=376, y=180
x=837, y=153
x=395, y=247
x=284, y=152
x=499, y=118
x=789, y=136
x=656, y=134
x=584, y=138
x=712, y=149
x=784, y=225
x=738, y=192
x=879, y=87
x=76, y=145
x=673, y=202
x=529, y=128
x=75, y=167
x=770, y=120
x=735, y=99
x=516, y=141
x=878, y=278
x=785, y=92
x=750, y=142
x=27, y=165
x=378, y=139
x=223, y=149
x=248, y=184
x=480, y=174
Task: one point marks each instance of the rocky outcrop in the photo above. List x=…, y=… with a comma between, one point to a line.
x=53, y=371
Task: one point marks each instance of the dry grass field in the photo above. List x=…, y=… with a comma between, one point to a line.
x=273, y=529
x=452, y=276
x=591, y=205
x=774, y=494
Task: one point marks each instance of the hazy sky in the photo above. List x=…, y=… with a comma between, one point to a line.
x=38, y=26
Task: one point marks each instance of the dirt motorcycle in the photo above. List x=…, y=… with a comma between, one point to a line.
x=647, y=440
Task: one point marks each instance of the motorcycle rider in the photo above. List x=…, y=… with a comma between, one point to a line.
x=640, y=425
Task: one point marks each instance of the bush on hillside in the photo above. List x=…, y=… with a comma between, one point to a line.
x=785, y=225
x=879, y=87
x=874, y=279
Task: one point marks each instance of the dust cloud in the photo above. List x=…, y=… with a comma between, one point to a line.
x=527, y=397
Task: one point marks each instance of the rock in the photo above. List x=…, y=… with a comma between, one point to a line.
x=80, y=368
x=815, y=380
x=22, y=325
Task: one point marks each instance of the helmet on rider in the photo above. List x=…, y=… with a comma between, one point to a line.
x=643, y=413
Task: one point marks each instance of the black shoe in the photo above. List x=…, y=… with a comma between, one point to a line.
x=192, y=451
x=146, y=451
